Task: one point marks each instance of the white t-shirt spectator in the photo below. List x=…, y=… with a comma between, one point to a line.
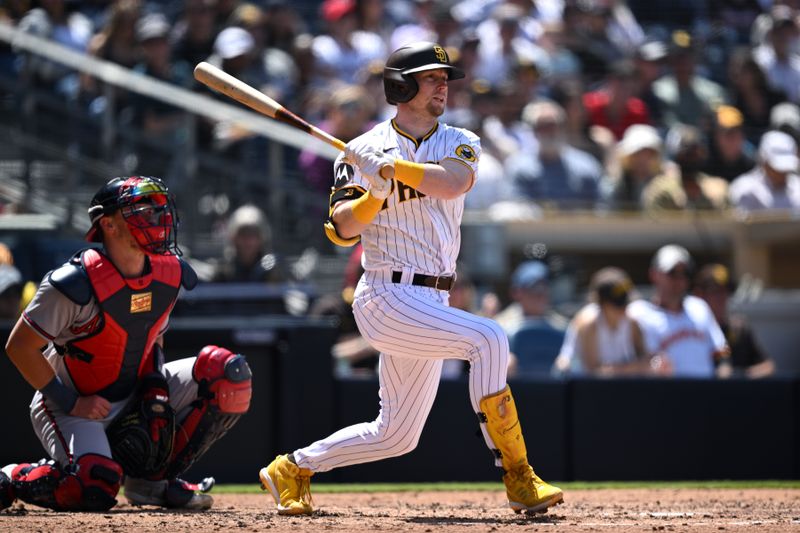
x=614, y=346
x=689, y=338
x=752, y=191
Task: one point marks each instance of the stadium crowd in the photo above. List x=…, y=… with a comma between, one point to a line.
x=554, y=86
x=580, y=104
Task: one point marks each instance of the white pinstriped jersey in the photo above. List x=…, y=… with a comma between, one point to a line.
x=413, y=230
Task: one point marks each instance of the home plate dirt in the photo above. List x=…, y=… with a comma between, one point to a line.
x=726, y=510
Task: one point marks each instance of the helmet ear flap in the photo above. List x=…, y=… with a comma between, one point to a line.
x=399, y=88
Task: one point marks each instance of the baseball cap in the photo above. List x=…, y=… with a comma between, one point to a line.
x=529, y=274
x=785, y=114
x=714, y=275
x=779, y=151
x=728, y=117
x=152, y=26
x=9, y=277
x=333, y=10
x=639, y=137
x=612, y=285
x=233, y=42
x=669, y=256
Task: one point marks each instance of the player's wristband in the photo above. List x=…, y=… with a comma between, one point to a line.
x=365, y=207
x=63, y=396
x=409, y=172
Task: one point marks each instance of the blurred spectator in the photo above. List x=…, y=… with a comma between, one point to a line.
x=352, y=354
x=493, y=186
x=194, y=32
x=686, y=97
x=713, y=284
x=680, y=331
x=116, y=41
x=282, y=25
x=373, y=18
x=601, y=339
x=590, y=39
x=777, y=56
x=61, y=22
x=649, y=61
x=235, y=52
x=774, y=183
x=535, y=332
x=419, y=27
x=615, y=106
x=734, y=18
x=272, y=69
x=785, y=117
x=638, y=161
x=561, y=65
x=248, y=255
x=10, y=292
x=347, y=115
x=555, y=171
x=344, y=49
x=577, y=131
x=162, y=125
x=750, y=93
x=503, y=45
x=730, y=155
x=686, y=187
x=501, y=109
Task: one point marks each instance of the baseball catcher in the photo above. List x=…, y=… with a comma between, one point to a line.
x=107, y=409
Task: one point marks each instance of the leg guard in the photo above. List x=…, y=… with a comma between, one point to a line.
x=499, y=413
x=7, y=492
x=224, y=393
x=89, y=484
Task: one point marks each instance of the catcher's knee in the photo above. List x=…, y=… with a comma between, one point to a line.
x=224, y=390
x=224, y=378
x=91, y=483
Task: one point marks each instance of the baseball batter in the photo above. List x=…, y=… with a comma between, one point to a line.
x=90, y=343
x=400, y=188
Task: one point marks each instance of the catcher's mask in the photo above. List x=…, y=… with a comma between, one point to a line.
x=147, y=207
x=399, y=84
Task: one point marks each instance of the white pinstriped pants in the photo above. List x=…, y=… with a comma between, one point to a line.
x=415, y=331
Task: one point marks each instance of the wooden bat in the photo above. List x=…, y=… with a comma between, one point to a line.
x=223, y=82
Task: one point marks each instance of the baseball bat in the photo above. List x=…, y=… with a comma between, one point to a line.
x=243, y=93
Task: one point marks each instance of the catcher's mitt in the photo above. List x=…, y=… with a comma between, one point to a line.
x=141, y=437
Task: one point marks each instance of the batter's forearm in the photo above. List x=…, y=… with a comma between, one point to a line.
x=429, y=178
x=347, y=225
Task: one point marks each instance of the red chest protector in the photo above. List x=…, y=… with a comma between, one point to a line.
x=110, y=360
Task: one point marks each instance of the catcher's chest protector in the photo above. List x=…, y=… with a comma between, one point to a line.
x=109, y=360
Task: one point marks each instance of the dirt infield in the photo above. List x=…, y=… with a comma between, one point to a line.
x=584, y=510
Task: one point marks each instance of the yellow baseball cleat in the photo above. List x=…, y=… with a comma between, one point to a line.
x=527, y=492
x=289, y=485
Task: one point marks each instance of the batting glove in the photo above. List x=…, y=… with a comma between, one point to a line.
x=368, y=160
x=379, y=186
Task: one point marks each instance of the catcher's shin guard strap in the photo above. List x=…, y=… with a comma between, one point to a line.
x=499, y=413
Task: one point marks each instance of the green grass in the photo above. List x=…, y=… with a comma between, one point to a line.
x=497, y=486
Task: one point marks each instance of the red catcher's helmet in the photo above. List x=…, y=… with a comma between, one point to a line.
x=147, y=207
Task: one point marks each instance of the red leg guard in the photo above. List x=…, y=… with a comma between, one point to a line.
x=89, y=484
x=224, y=393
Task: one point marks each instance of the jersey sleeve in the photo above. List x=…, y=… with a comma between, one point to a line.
x=50, y=312
x=465, y=147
